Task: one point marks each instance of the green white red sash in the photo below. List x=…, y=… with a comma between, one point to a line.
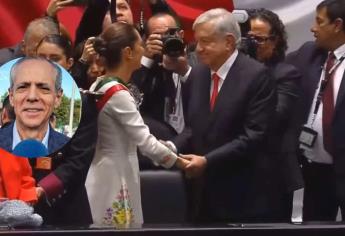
x=108, y=87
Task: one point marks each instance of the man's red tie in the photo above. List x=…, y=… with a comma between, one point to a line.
x=328, y=105
x=215, y=79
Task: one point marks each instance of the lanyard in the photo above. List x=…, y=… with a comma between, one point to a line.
x=323, y=85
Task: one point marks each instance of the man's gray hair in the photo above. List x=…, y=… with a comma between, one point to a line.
x=58, y=76
x=224, y=22
x=45, y=25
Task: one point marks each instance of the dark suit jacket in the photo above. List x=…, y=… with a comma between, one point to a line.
x=157, y=85
x=309, y=59
x=283, y=144
x=230, y=138
x=55, y=140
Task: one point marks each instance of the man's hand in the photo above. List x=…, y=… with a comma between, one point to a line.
x=88, y=51
x=153, y=45
x=196, y=166
x=40, y=192
x=178, y=65
x=182, y=163
x=55, y=6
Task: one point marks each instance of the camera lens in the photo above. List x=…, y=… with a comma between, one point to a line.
x=173, y=47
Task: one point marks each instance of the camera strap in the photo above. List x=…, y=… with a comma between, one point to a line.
x=113, y=11
x=328, y=73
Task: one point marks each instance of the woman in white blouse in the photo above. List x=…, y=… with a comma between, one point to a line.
x=113, y=183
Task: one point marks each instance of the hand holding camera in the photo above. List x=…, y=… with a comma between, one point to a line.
x=55, y=6
x=88, y=51
x=154, y=46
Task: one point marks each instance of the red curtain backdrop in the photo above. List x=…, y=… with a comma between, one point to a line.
x=16, y=14
x=189, y=10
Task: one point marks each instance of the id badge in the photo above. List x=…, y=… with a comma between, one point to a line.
x=44, y=163
x=307, y=137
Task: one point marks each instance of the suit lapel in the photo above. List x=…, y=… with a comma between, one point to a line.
x=341, y=94
x=202, y=98
x=227, y=88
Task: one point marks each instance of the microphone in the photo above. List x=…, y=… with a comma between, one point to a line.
x=30, y=148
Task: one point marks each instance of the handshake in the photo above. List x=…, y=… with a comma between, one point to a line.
x=192, y=165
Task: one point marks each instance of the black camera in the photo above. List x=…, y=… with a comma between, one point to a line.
x=249, y=46
x=173, y=44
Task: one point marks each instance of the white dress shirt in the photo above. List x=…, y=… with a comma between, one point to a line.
x=318, y=153
x=17, y=139
x=223, y=71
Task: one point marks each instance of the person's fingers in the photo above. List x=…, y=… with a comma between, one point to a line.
x=63, y=3
x=187, y=157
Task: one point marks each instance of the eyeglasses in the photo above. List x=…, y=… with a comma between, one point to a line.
x=260, y=39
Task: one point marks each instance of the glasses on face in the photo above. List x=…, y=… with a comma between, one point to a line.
x=260, y=39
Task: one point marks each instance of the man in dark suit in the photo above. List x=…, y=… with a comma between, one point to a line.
x=266, y=41
x=323, y=113
x=60, y=176
x=35, y=90
x=162, y=79
x=231, y=106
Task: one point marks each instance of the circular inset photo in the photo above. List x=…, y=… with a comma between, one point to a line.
x=40, y=107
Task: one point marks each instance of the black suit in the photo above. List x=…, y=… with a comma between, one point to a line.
x=230, y=137
x=283, y=144
x=324, y=183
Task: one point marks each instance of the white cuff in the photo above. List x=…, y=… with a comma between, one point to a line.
x=147, y=62
x=171, y=146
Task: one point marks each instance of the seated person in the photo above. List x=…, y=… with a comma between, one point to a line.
x=35, y=90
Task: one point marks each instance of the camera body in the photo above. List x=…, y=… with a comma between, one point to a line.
x=249, y=46
x=173, y=44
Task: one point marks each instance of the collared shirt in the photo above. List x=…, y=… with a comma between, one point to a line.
x=224, y=70
x=17, y=139
x=175, y=119
x=318, y=153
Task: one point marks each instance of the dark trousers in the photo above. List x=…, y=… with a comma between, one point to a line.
x=320, y=202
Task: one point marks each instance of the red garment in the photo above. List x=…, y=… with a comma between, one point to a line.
x=15, y=15
x=16, y=181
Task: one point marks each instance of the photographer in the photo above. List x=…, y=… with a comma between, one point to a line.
x=266, y=42
x=163, y=77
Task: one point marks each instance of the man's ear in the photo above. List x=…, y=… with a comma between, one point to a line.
x=70, y=62
x=338, y=25
x=10, y=96
x=181, y=33
x=22, y=47
x=230, y=41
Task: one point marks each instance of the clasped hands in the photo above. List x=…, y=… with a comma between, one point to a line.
x=192, y=165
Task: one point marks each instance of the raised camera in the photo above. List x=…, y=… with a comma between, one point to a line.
x=249, y=46
x=173, y=44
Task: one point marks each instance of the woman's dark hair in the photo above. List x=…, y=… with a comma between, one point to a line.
x=277, y=31
x=61, y=41
x=115, y=38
